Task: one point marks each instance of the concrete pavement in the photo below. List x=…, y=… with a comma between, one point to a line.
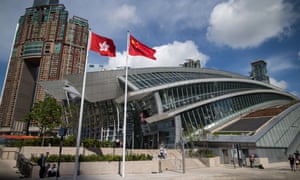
x=224, y=172
x=8, y=170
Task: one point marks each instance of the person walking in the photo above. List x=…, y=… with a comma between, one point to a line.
x=252, y=159
x=297, y=160
x=292, y=162
x=161, y=152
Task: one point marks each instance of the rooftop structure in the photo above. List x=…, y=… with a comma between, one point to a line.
x=259, y=71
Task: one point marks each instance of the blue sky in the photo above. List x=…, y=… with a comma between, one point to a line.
x=223, y=34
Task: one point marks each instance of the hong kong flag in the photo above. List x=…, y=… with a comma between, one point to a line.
x=104, y=46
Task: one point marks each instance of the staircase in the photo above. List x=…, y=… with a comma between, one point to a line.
x=174, y=162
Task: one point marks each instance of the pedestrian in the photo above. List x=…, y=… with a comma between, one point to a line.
x=297, y=160
x=161, y=152
x=165, y=153
x=48, y=168
x=52, y=172
x=292, y=162
x=42, y=161
x=252, y=159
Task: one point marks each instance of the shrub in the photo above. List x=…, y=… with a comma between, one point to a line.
x=69, y=141
x=94, y=158
x=201, y=153
x=55, y=141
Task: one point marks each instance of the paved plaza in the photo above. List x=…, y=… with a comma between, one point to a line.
x=275, y=171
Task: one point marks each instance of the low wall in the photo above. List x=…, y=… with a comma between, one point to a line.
x=9, y=153
x=259, y=161
x=29, y=151
x=172, y=162
x=211, y=162
x=97, y=168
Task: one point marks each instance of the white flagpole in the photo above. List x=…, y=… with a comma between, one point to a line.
x=81, y=112
x=125, y=110
x=11, y=50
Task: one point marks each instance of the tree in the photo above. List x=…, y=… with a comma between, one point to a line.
x=46, y=115
x=199, y=135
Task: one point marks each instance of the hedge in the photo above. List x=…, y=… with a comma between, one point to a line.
x=94, y=158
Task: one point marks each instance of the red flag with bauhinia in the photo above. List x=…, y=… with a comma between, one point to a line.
x=136, y=48
x=104, y=46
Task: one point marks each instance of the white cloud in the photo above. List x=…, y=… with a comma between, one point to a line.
x=276, y=64
x=281, y=84
x=249, y=23
x=113, y=17
x=122, y=15
x=180, y=15
x=298, y=54
x=166, y=55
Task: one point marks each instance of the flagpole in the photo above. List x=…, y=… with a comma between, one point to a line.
x=81, y=112
x=125, y=110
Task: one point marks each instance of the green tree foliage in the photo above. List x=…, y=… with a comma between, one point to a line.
x=46, y=115
x=94, y=158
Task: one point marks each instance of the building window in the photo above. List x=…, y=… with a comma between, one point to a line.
x=47, y=48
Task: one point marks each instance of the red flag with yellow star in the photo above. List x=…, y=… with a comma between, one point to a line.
x=136, y=48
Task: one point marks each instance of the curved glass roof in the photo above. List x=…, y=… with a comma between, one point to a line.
x=152, y=79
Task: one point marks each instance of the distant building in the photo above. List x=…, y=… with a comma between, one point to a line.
x=259, y=71
x=191, y=63
x=94, y=67
x=47, y=46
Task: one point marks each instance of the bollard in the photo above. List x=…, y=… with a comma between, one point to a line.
x=159, y=166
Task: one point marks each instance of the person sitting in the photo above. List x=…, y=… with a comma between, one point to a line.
x=52, y=171
x=48, y=168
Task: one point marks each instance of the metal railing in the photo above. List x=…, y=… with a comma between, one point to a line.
x=24, y=165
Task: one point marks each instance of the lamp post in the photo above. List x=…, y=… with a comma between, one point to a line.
x=62, y=133
x=182, y=151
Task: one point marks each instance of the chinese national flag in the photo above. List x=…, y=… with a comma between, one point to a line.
x=137, y=48
x=104, y=46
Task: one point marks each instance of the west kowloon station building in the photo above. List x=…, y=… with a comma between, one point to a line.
x=167, y=103
x=220, y=109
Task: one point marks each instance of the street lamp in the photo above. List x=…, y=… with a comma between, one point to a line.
x=62, y=132
x=182, y=151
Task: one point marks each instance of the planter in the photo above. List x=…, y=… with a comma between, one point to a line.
x=98, y=168
x=211, y=162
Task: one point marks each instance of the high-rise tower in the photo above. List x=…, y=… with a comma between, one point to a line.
x=47, y=46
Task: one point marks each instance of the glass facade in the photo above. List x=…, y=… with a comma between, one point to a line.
x=282, y=134
x=32, y=49
x=163, y=103
x=221, y=111
x=100, y=120
x=213, y=102
x=183, y=95
x=147, y=80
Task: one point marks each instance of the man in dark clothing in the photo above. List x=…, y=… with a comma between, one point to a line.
x=297, y=160
x=292, y=162
x=252, y=159
x=42, y=163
